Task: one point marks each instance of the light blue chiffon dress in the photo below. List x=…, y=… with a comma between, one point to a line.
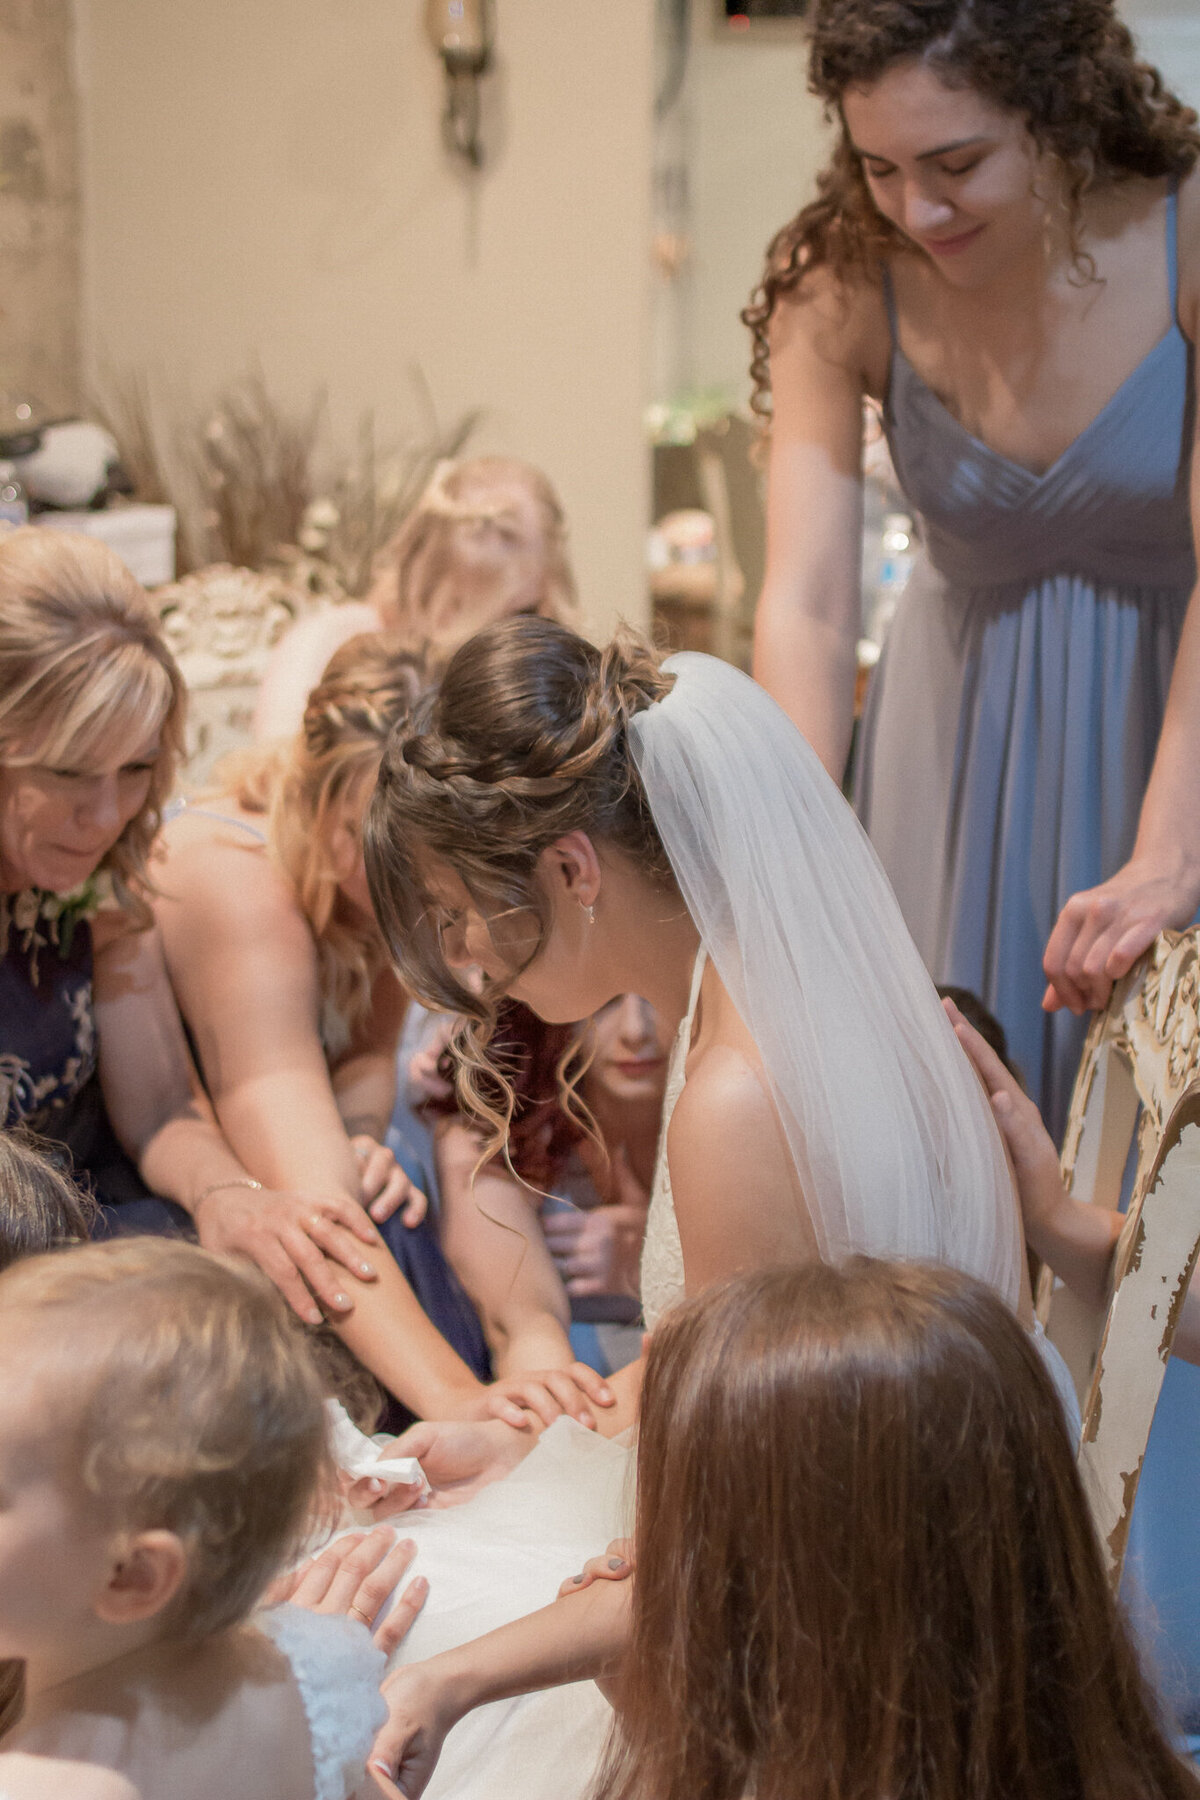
x=1007, y=743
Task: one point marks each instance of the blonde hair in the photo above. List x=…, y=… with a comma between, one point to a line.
x=458, y=562
x=84, y=667
x=196, y=1408
x=305, y=788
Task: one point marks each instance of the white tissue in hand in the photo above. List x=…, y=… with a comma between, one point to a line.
x=357, y=1456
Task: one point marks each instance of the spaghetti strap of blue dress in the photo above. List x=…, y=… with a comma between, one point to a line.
x=1008, y=738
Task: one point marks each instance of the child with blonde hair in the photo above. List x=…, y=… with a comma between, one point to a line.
x=487, y=539
x=162, y=1456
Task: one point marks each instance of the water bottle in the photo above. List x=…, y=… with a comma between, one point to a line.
x=14, y=507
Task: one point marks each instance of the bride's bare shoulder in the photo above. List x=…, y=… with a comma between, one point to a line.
x=46, y=1778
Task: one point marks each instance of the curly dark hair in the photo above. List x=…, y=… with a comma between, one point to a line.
x=1069, y=69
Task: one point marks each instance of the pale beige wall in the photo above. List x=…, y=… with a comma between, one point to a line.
x=265, y=179
x=39, y=204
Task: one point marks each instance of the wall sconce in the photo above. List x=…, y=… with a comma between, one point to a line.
x=461, y=32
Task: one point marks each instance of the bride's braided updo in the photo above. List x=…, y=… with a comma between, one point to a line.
x=524, y=741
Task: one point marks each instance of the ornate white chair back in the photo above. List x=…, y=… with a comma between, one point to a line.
x=222, y=623
x=1140, y=1066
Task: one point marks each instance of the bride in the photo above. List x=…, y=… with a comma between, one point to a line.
x=579, y=823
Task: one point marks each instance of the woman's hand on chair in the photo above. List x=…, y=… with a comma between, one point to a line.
x=385, y=1186
x=1101, y=932
x=297, y=1240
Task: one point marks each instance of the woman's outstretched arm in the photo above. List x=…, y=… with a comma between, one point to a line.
x=580, y=1638
x=494, y=1242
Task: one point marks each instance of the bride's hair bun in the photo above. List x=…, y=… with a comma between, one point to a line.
x=525, y=741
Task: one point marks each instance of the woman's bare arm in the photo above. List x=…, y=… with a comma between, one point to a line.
x=364, y=1079
x=491, y=1235
x=807, y=624
x=1102, y=931
x=576, y=1639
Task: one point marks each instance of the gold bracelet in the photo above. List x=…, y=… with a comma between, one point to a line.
x=234, y=1181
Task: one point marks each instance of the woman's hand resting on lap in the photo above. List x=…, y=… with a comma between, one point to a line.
x=297, y=1240
x=1102, y=931
x=385, y=1186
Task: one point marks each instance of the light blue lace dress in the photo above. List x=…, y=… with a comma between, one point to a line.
x=1006, y=747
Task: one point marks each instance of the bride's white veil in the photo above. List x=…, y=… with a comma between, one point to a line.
x=894, y=1143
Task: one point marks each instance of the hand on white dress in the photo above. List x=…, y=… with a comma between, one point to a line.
x=385, y=1186
x=354, y=1576
x=420, y=1714
x=547, y=1393
x=459, y=1456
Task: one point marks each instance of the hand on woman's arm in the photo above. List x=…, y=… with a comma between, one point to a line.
x=163, y=1120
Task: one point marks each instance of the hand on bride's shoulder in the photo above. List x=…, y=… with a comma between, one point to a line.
x=460, y=1456
x=45, y=1778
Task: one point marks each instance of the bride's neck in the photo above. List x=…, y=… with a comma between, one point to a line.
x=654, y=940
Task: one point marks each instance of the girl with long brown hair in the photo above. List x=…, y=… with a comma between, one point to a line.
x=863, y=1565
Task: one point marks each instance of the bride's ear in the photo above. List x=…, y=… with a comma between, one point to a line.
x=146, y=1573
x=572, y=868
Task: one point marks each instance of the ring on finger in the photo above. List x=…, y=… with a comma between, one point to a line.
x=315, y=1220
x=359, y=1614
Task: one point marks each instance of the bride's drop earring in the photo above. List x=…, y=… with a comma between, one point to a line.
x=590, y=911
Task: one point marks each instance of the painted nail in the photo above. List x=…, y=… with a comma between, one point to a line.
x=381, y=1768
x=341, y=1300
x=605, y=1395
x=616, y=1562
x=575, y=1580
x=365, y=1269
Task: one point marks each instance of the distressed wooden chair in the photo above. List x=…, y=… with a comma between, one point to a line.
x=1140, y=1068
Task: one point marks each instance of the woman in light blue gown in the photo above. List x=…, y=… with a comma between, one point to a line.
x=1005, y=254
